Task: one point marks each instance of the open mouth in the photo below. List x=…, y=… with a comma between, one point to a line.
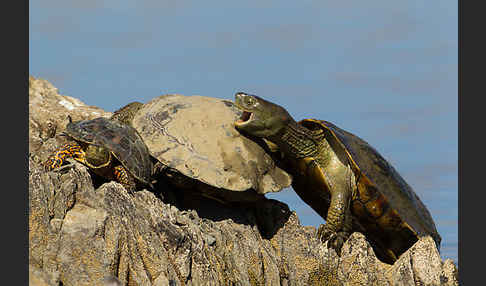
x=245, y=117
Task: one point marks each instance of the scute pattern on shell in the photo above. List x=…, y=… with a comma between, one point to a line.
x=196, y=136
x=387, y=180
x=122, y=140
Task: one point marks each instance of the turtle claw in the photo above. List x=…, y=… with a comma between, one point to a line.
x=130, y=189
x=159, y=168
x=69, y=165
x=334, y=239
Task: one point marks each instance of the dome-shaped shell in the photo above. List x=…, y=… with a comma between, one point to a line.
x=122, y=140
x=196, y=136
x=380, y=175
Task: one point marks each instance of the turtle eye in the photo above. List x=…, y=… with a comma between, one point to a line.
x=250, y=101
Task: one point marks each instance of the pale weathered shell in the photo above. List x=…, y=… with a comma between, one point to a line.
x=196, y=136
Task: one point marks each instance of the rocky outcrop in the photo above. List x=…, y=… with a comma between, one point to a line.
x=48, y=112
x=86, y=232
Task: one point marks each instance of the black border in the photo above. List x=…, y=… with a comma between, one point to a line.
x=15, y=210
x=471, y=155
x=21, y=192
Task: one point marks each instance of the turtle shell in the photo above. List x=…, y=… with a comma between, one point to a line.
x=195, y=135
x=405, y=212
x=121, y=140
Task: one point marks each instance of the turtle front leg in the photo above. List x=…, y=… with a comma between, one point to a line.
x=335, y=236
x=123, y=177
x=339, y=220
x=70, y=150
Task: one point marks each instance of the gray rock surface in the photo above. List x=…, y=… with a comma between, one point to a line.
x=85, y=234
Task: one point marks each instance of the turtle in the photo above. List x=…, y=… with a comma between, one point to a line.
x=194, y=146
x=340, y=176
x=113, y=150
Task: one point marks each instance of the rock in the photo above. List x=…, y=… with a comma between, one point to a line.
x=37, y=277
x=85, y=234
x=48, y=112
x=359, y=263
x=422, y=265
x=450, y=273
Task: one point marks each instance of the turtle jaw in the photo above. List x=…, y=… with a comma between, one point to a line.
x=244, y=119
x=241, y=103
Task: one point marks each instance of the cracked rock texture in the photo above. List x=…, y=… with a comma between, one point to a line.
x=86, y=232
x=48, y=112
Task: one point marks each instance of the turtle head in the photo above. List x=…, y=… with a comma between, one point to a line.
x=126, y=114
x=260, y=118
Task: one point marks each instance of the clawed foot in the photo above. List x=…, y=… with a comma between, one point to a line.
x=158, y=169
x=58, y=168
x=334, y=239
x=130, y=188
